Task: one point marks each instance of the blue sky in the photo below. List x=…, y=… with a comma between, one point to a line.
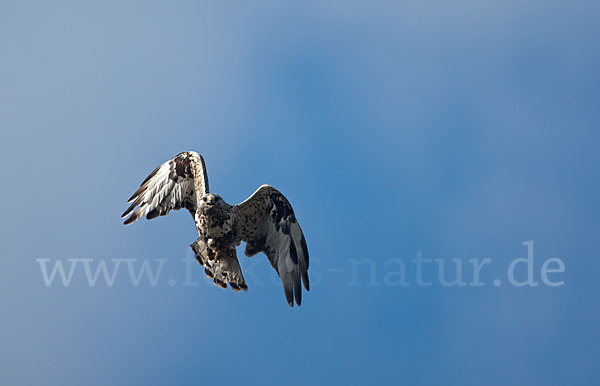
x=456, y=129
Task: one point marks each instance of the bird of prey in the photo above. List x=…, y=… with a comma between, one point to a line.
x=265, y=221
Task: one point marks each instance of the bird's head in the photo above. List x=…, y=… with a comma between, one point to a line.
x=211, y=200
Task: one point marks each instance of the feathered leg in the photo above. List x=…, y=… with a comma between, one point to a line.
x=220, y=265
x=227, y=270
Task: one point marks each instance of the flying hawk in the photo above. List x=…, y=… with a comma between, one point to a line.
x=265, y=221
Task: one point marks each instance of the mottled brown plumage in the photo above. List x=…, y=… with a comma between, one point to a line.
x=265, y=221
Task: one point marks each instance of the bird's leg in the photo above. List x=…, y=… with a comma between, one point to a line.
x=204, y=256
x=220, y=275
x=200, y=250
x=212, y=246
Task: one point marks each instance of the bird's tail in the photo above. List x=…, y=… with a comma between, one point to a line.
x=223, y=268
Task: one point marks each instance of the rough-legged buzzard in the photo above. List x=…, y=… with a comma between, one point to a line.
x=265, y=221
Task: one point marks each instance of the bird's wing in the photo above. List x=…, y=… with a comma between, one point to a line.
x=177, y=183
x=266, y=222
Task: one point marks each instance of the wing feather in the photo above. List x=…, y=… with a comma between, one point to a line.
x=177, y=183
x=267, y=223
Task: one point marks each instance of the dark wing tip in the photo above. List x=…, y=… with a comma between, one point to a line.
x=138, y=192
x=135, y=216
x=130, y=220
x=297, y=291
x=289, y=296
x=304, y=249
x=150, y=176
x=129, y=210
x=305, y=280
x=153, y=214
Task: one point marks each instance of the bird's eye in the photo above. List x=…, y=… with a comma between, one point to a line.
x=204, y=199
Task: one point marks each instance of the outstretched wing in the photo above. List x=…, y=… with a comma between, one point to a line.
x=178, y=183
x=266, y=222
